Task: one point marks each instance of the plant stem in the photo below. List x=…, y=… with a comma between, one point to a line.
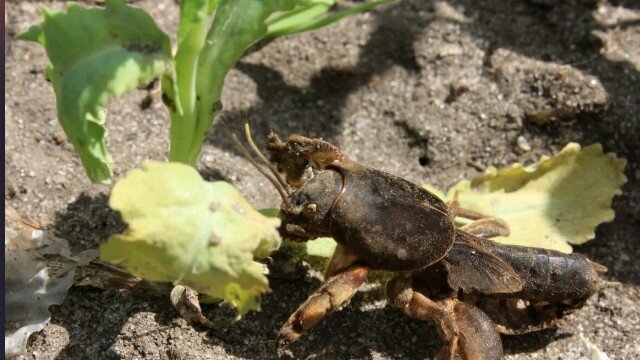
x=183, y=125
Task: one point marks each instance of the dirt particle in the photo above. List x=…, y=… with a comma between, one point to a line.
x=59, y=138
x=455, y=91
x=146, y=102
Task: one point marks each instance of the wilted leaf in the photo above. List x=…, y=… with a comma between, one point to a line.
x=191, y=232
x=34, y=280
x=98, y=53
x=550, y=204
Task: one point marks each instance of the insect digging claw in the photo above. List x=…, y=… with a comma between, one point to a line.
x=284, y=351
x=601, y=269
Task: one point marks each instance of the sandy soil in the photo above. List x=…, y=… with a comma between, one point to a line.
x=431, y=91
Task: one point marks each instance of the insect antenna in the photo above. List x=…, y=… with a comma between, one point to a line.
x=247, y=134
x=247, y=155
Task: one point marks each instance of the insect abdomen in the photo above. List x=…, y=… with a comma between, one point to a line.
x=551, y=275
x=556, y=284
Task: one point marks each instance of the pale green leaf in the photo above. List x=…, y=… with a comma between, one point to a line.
x=191, y=232
x=550, y=204
x=94, y=54
x=322, y=247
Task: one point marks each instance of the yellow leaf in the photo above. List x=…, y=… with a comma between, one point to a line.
x=550, y=204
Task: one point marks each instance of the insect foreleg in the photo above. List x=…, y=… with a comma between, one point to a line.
x=322, y=302
x=342, y=258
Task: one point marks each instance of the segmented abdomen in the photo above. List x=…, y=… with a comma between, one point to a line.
x=551, y=275
x=556, y=284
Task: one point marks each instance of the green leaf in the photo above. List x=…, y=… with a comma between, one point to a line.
x=191, y=232
x=270, y=212
x=284, y=22
x=553, y=203
x=192, y=14
x=195, y=19
x=237, y=24
x=312, y=16
x=94, y=54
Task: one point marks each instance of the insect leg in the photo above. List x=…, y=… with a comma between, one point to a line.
x=456, y=211
x=322, y=302
x=342, y=258
x=479, y=339
x=400, y=293
x=487, y=228
x=465, y=329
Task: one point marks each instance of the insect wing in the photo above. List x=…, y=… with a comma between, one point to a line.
x=474, y=270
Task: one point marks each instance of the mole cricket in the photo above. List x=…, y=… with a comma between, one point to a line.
x=471, y=287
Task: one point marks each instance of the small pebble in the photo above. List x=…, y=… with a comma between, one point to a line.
x=523, y=144
x=59, y=138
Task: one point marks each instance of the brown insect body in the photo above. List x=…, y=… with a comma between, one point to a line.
x=471, y=287
x=398, y=220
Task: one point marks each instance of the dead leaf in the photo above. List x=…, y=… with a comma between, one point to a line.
x=39, y=269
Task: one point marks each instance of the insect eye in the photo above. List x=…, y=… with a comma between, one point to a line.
x=310, y=209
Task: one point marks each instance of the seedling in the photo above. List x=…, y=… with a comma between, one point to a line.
x=99, y=53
